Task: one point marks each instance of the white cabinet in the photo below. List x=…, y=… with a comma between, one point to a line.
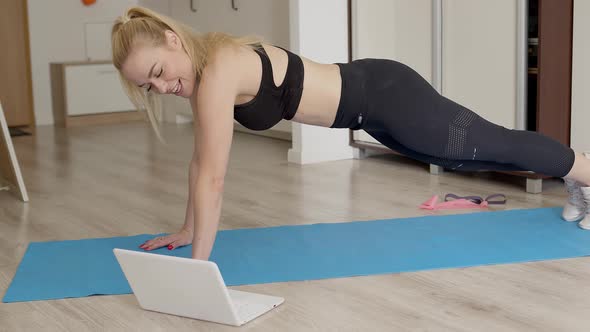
x=472, y=52
x=479, y=55
x=394, y=29
x=89, y=92
x=400, y=30
x=94, y=89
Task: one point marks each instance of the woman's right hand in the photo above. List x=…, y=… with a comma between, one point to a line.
x=172, y=241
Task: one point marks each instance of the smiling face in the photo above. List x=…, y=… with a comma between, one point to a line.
x=164, y=69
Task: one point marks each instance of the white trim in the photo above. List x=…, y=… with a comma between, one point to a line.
x=521, y=64
x=437, y=27
x=354, y=38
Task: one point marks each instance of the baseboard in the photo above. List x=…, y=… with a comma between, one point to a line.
x=278, y=134
x=104, y=118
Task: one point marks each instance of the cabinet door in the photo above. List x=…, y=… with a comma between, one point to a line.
x=479, y=57
x=93, y=89
x=393, y=29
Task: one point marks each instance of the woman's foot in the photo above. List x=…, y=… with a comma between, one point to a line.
x=585, y=223
x=578, y=203
x=575, y=208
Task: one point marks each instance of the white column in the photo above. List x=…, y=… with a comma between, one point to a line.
x=319, y=31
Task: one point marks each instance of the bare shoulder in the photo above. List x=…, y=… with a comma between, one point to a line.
x=222, y=63
x=227, y=68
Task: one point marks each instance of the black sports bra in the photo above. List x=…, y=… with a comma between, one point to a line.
x=273, y=103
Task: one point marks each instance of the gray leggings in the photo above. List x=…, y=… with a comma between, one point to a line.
x=396, y=106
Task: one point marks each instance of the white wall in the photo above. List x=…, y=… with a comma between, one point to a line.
x=58, y=32
x=580, y=126
x=319, y=31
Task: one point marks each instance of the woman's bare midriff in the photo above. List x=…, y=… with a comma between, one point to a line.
x=321, y=85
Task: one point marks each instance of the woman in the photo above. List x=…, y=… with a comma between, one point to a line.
x=227, y=78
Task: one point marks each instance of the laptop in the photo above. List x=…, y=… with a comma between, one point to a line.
x=189, y=288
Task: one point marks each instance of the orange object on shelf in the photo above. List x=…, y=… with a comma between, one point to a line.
x=88, y=2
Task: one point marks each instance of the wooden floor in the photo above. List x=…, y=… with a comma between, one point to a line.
x=117, y=180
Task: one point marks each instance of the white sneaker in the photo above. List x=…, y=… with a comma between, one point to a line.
x=585, y=223
x=575, y=208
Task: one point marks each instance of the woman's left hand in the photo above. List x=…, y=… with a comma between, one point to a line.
x=172, y=241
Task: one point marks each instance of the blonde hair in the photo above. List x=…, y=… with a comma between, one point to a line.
x=139, y=24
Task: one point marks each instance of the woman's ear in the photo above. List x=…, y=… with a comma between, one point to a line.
x=173, y=40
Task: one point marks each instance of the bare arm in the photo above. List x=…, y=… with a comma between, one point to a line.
x=213, y=109
x=185, y=235
x=189, y=223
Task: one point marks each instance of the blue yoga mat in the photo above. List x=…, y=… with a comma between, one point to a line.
x=56, y=270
